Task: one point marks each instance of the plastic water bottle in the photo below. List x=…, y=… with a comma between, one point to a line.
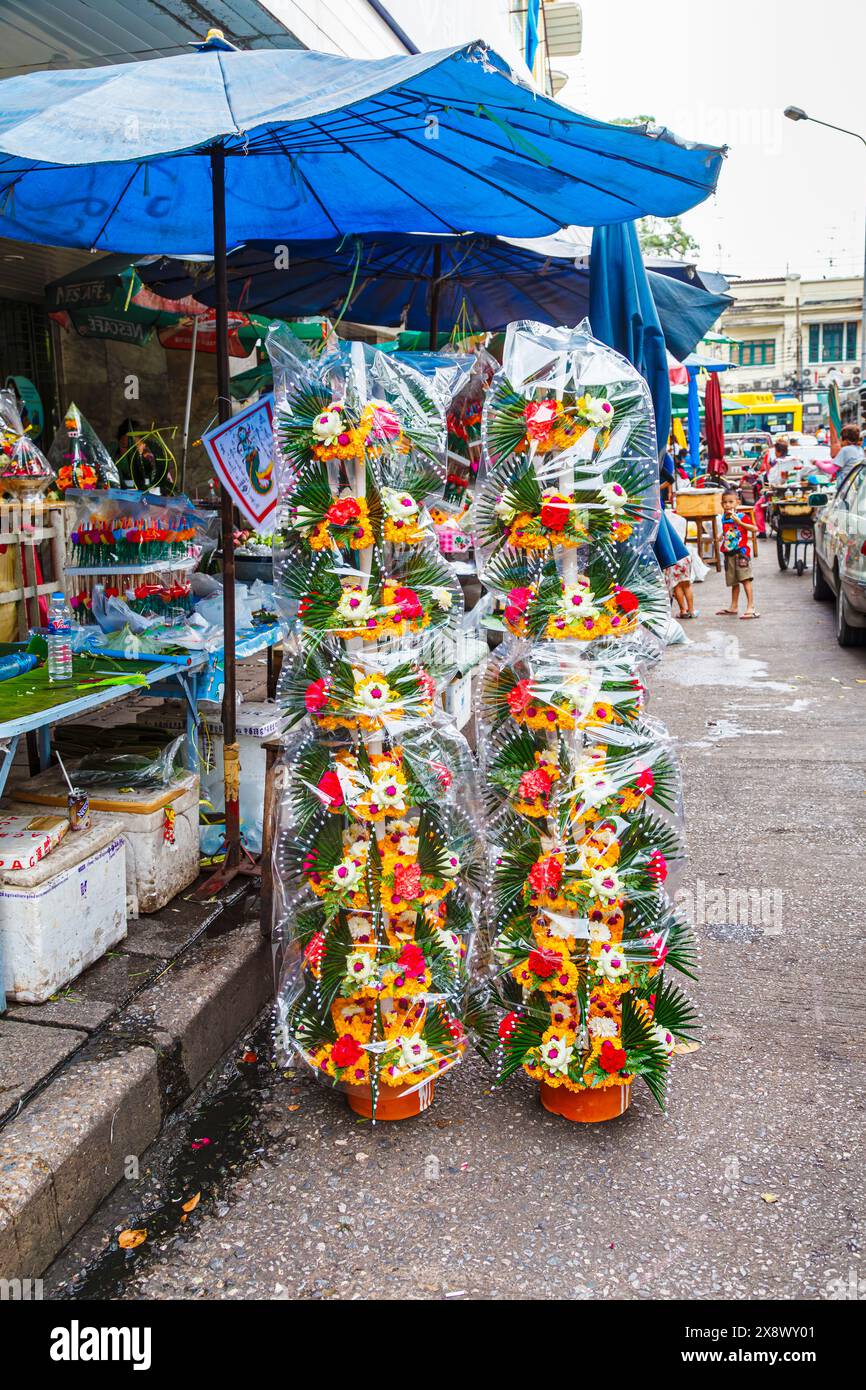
x=59, y=640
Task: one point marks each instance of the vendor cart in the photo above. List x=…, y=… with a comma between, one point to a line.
x=792, y=517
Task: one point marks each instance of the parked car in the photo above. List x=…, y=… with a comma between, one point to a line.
x=839, y=556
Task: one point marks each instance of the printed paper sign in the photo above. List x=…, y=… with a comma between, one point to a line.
x=242, y=454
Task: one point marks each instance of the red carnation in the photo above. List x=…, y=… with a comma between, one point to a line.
x=535, y=783
x=507, y=1027
x=646, y=781
x=346, y=1051
x=520, y=697
x=539, y=416
x=545, y=875
x=409, y=603
x=331, y=791
x=611, y=1058
x=544, y=963
x=625, y=599
x=316, y=696
x=657, y=867
x=411, y=961
x=443, y=775
x=455, y=1028
x=343, y=512
x=554, y=514
x=407, y=880
x=315, y=949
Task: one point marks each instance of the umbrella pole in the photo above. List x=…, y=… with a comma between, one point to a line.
x=188, y=407
x=434, y=296
x=231, y=757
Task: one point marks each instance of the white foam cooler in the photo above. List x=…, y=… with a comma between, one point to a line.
x=156, y=869
x=256, y=720
x=64, y=913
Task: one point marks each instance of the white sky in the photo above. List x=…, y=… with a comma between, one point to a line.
x=791, y=196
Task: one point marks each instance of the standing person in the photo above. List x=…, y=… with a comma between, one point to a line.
x=738, y=557
x=667, y=478
x=675, y=565
x=778, y=465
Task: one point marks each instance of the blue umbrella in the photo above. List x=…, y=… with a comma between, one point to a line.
x=190, y=154
x=436, y=142
x=484, y=282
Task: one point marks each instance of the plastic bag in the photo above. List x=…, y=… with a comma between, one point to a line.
x=78, y=456
x=581, y=787
x=24, y=469
x=147, y=766
x=378, y=857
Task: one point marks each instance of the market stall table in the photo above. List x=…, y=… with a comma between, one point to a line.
x=201, y=675
x=30, y=704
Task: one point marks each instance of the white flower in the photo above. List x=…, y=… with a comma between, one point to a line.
x=442, y=597
x=611, y=963
x=360, y=967
x=399, y=504
x=556, y=1054
x=346, y=875
x=450, y=866
x=360, y=928
x=606, y=884
x=665, y=1037
x=578, y=601
x=408, y=844
x=599, y=931
x=615, y=496
x=603, y=1027
x=595, y=790
x=595, y=411
x=414, y=1051
x=373, y=694
x=401, y=827
x=450, y=941
x=355, y=605
x=504, y=510
x=330, y=423
x=387, y=791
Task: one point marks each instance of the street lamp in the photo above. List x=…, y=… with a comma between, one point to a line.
x=796, y=113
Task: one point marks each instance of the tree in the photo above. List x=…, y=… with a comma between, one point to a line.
x=665, y=236
x=660, y=236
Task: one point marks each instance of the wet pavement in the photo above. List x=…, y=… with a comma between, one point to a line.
x=750, y=1186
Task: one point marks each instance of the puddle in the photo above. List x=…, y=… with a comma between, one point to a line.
x=718, y=661
x=204, y=1150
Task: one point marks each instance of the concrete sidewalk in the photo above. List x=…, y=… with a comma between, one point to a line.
x=89, y=1077
x=749, y=1187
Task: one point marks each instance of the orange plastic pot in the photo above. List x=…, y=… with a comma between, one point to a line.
x=392, y=1102
x=587, y=1107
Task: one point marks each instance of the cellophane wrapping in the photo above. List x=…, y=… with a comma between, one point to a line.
x=581, y=785
x=378, y=848
x=79, y=457
x=24, y=469
x=134, y=549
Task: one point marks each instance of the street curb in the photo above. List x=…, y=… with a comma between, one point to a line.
x=69, y=1148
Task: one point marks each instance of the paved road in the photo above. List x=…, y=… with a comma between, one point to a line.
x=750, y=1186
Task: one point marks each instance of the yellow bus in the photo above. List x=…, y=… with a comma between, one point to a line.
x=761, y=410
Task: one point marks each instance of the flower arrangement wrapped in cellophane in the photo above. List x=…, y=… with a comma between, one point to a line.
x=134, y=551
x=377, y=846
x=581, y=787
